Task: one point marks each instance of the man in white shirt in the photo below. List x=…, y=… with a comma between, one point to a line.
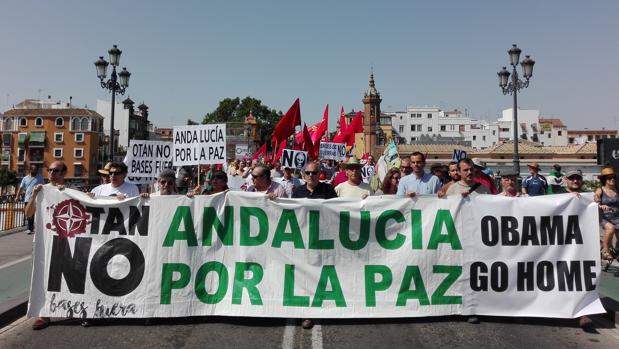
x=117, y=186
x=353, y=188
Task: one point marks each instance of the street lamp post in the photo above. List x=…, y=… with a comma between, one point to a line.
x=117, y=83
x=513, y=87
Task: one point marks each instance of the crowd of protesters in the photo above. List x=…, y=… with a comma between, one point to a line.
x=353, y=179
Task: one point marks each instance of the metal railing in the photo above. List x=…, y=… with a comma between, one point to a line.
x=11, y=213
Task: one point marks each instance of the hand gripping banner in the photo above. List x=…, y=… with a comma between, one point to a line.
x=240, y=254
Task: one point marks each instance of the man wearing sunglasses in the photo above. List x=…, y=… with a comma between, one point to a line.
x=261, y=176
x=166, y=184
x=117, y=186
x=55, y=173
x=313, y=187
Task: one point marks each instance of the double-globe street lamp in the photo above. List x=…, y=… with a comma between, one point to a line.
x=513, y=86
x=117, y=83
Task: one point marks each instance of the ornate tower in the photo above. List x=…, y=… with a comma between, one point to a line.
x=371, y=117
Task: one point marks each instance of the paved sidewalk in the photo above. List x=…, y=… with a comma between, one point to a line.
x=15, y=268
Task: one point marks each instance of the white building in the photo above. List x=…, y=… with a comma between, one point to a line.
x=432, y=122
x=121, y=121
x=548, y=132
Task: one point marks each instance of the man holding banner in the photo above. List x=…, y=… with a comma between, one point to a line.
x=55, y=173
x=418, y=182
x=117, y=186
x=261, y=176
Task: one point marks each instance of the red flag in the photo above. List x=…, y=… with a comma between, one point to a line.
x=290, y=120
x=308, y=145
x=321, y=128
x=348, y=136
x=261, y=151
x=342, y=122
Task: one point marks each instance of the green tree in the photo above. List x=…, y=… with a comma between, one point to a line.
x=235, y=110
x=7, y=178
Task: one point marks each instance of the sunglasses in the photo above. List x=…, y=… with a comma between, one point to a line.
x=167, y=182
x=54, y=170
x=575, y=178
x=116, y=173
x=309, y=173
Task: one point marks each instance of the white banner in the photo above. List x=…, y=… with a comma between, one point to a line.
x=332, y=151
x=240, y=254
x=294, y=158
x=148, y=158
x=199, y=144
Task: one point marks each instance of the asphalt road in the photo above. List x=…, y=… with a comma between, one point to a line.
x=224, y=332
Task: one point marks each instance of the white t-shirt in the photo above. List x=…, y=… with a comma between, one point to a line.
x=346, y=190
x=127, y=189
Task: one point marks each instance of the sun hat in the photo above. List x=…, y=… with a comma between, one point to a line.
x=106, y=169
x=353, y=162
x=607, y=171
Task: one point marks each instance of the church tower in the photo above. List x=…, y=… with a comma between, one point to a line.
x=371, y=117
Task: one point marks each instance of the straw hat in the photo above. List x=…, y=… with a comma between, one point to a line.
x=534, y=165
x=106, y=169
x=353, y=162
x=607, y=171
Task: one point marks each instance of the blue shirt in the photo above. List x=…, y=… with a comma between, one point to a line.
x=427, y=184
x=535, y=185
x=28, y=183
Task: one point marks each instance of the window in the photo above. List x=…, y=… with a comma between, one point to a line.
x=559, y=133
x=493, y=132
x=419, y=127
x=419, y=115
x=8, y=125
x=78, y=153
x=401, y=129
x=59, y=122
x=483, y=138
x=474, y=138
x=412, y=127
x=20, y=155
x=429, y=115
x=429, y=128
x=38, y=122
x=58, y=137
x=412, y=116
x=57, y=152
x=84, y=124
x=413, y=139
x=443, y=128
x=75, y=124
x=79, y=137
x=549, y=135
x=77, y=170
x=23, y=122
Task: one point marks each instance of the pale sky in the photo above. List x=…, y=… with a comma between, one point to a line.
x=186, y=56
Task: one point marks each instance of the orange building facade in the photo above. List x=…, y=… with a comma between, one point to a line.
x=42, y=136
